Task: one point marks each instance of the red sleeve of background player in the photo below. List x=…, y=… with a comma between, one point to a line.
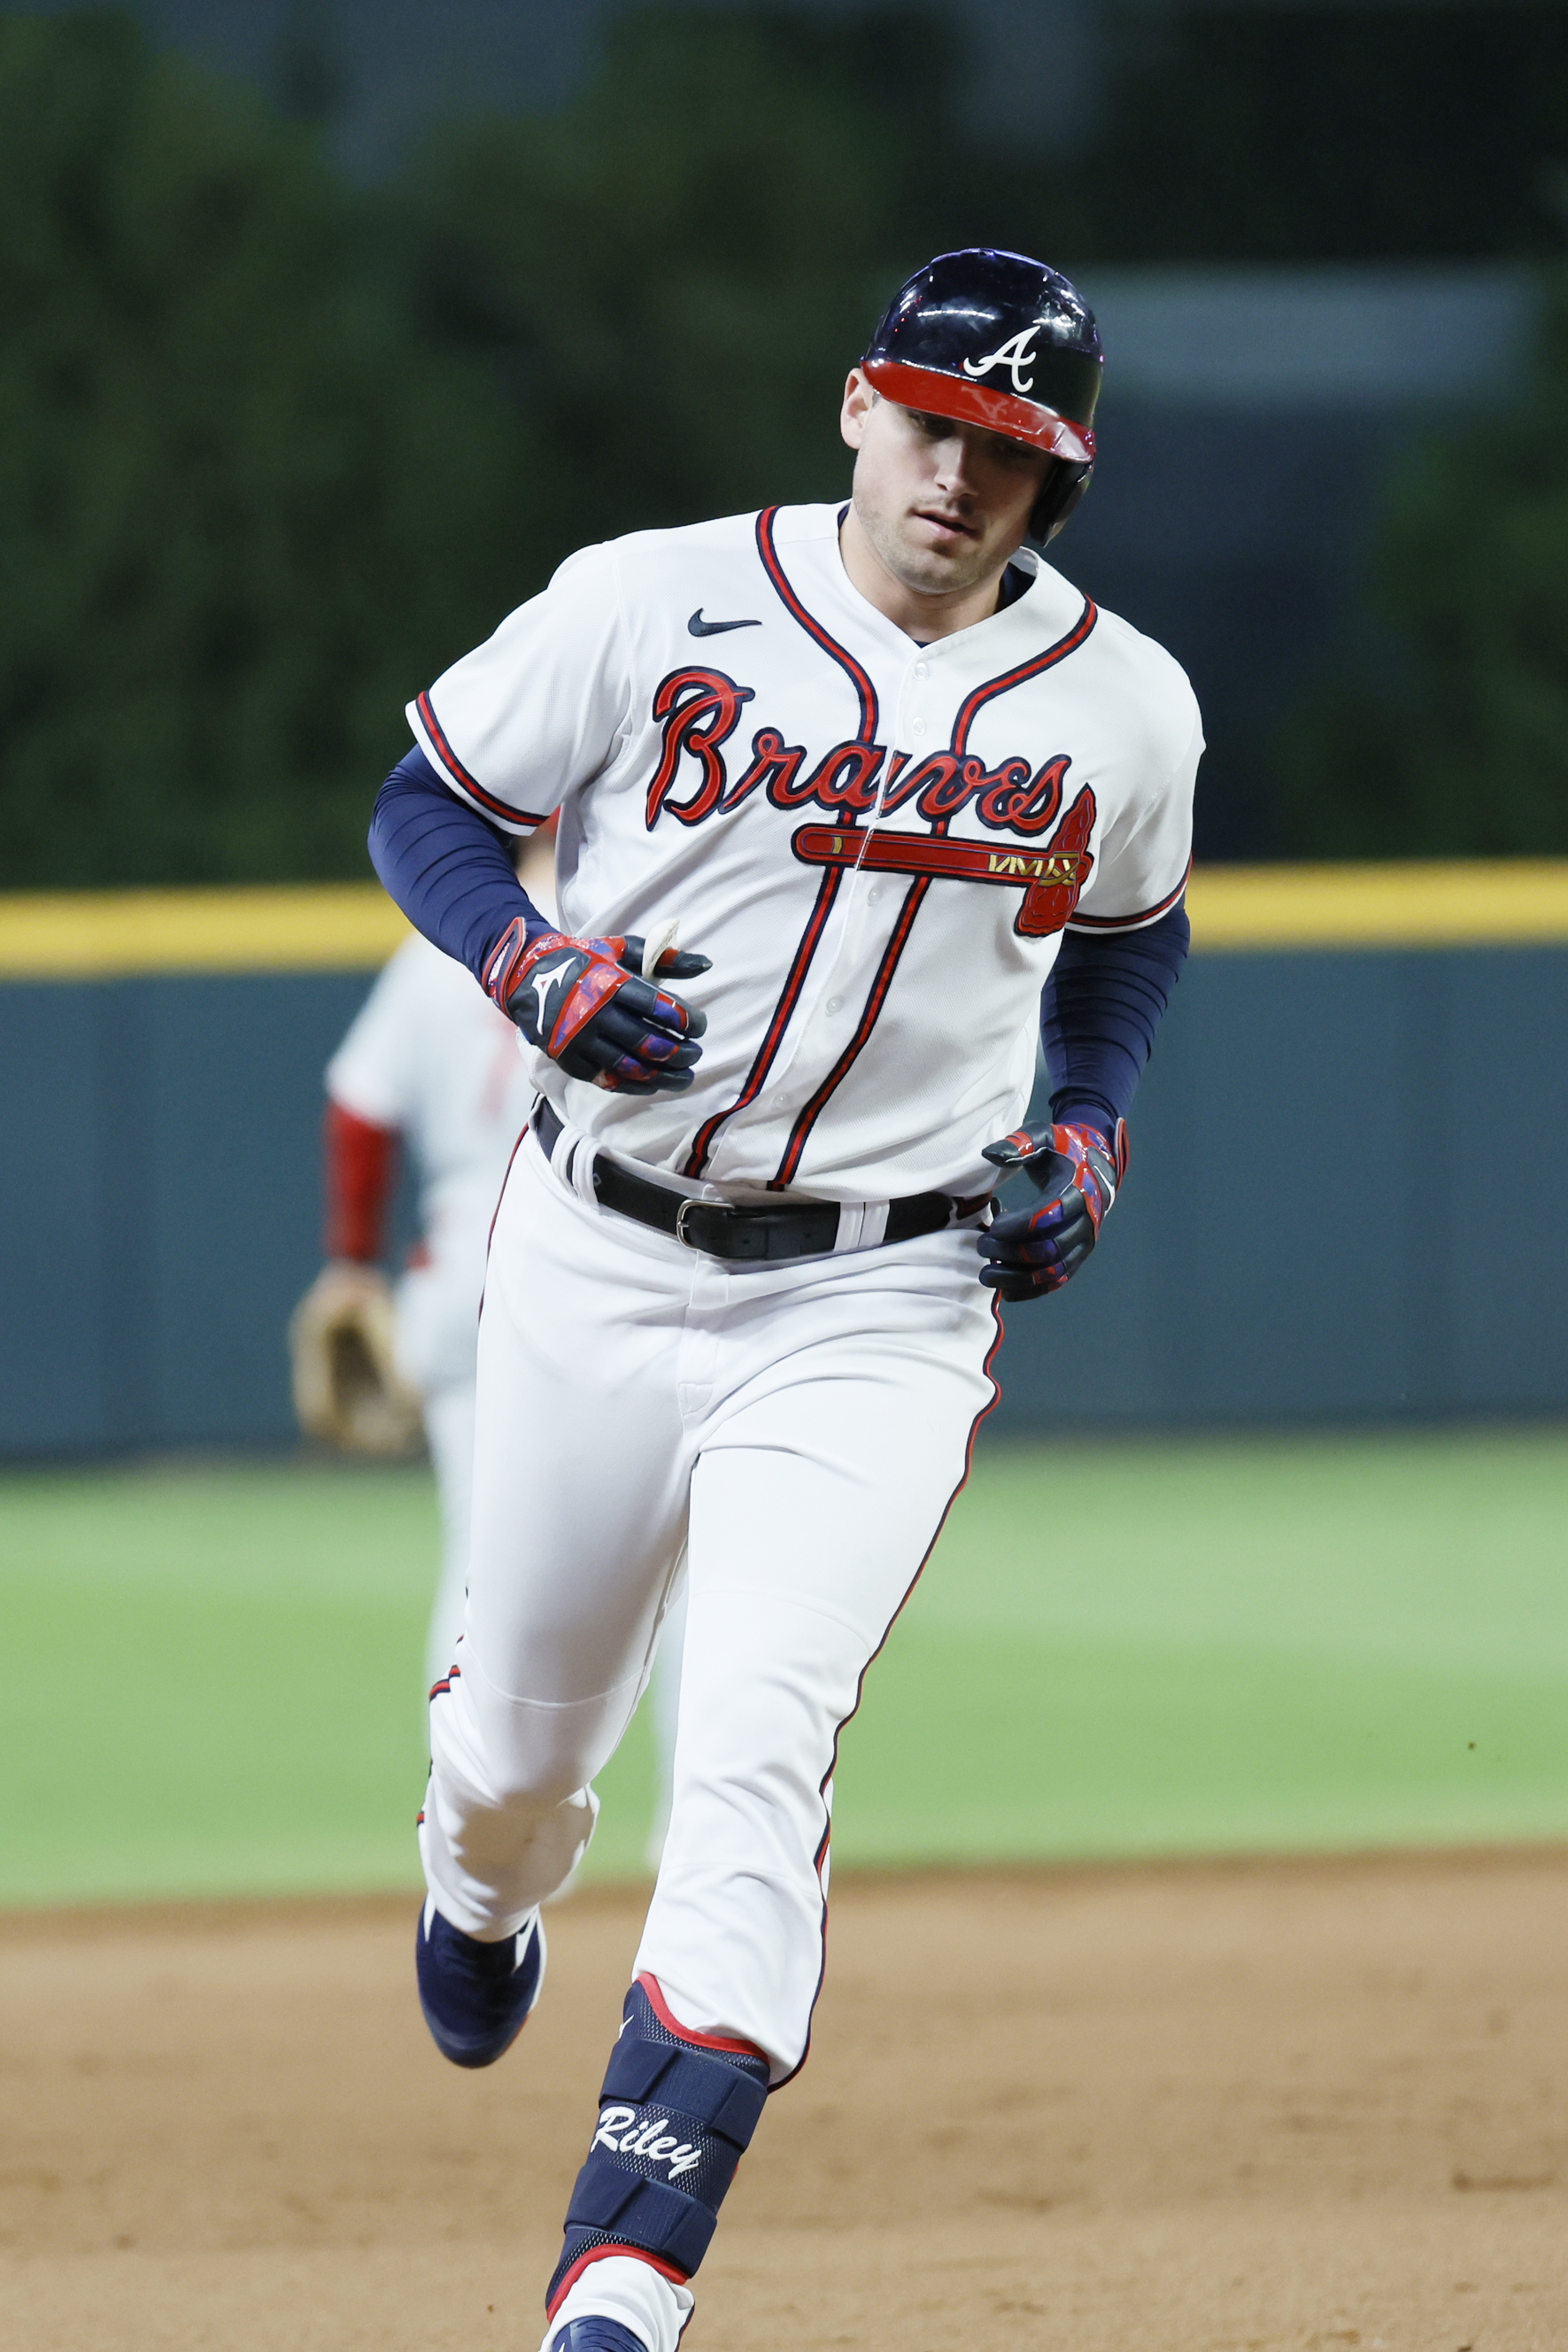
x=360, y=1170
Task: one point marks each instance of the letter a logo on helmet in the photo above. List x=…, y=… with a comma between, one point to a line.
x=968, y=316
x=1016, y=353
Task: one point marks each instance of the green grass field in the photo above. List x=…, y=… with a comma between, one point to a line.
x=210, y=1675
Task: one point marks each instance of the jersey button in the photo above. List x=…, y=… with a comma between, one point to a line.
x=922, y=670
x=835, y=1004
x=873, y=896
x=918, y=728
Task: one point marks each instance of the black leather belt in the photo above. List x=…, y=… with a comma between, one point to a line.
x=808, y=1230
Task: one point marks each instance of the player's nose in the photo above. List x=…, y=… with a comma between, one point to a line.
x=955, y=470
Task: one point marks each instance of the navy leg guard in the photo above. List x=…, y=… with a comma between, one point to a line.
x=674, y=2118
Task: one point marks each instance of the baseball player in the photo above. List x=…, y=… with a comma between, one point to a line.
x=852, y=798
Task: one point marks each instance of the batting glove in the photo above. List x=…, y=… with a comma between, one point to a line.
x=585, y=1003
x=1033, y=1251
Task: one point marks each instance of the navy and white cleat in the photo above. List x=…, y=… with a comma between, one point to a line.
x=476, y=1997
x=592, y=2333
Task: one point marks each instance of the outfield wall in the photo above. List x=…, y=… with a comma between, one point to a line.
x=1344, y=1198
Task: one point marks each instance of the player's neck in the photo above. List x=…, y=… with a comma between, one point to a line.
x=921, y=616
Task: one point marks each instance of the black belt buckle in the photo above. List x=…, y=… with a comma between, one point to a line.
x=753, y=1235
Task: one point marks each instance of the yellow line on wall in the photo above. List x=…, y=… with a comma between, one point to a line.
x=1457, y=902
x=354, y=927
x=106, y=934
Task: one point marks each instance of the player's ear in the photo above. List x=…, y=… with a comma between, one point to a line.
x=859, y=402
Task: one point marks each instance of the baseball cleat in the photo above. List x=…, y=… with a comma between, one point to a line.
x=476, y=1997
x=592, y=2333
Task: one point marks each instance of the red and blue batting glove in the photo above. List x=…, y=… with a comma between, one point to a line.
x=1033, y=1251
x=585, y=1003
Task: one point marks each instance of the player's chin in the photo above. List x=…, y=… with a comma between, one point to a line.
x=931, y=575
x=946, y=558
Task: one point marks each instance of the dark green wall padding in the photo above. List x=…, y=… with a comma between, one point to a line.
x=1345, y=1204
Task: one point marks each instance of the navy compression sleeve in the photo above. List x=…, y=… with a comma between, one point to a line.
x=448, y=869
x=1099, y=1012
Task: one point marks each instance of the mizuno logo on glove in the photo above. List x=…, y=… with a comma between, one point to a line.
x=585, y=1003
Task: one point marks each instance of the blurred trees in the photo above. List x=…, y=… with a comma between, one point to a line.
x=239, y=517
x=273, y=450
x=1311, y=132
x=273, y=453
x=1320, y=133
x=1449, y=734
x=673, y=275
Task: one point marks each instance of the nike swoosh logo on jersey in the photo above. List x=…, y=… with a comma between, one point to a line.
x=701, y=628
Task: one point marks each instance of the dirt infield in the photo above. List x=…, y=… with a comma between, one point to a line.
x=1273, y=2105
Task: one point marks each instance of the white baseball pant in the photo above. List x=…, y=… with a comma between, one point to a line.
x=797, y=1432
x=449, y=1432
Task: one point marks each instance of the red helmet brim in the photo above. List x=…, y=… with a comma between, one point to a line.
x=938, y=394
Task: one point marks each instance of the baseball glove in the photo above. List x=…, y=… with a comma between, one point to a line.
x=347, y=1386
x=1077, y=1171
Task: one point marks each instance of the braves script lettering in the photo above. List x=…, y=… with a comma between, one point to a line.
x=699, y=709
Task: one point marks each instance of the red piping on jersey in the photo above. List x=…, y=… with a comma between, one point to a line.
x=973, y=704
x=821, y=1854
x=867, y=1022
x=1026, y=671
x=599, y=2254
x=814, y=628
x=1132, y=923
x=794, y=981
x=655, y=1995
x=361, y=1170
x=501, y=810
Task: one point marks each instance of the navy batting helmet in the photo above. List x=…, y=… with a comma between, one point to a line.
x=998, y=340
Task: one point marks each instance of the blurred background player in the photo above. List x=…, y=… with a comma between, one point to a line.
x=428, y=1064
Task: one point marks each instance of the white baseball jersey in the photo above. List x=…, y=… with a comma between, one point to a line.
x=430, y=1055
x=877, y=842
